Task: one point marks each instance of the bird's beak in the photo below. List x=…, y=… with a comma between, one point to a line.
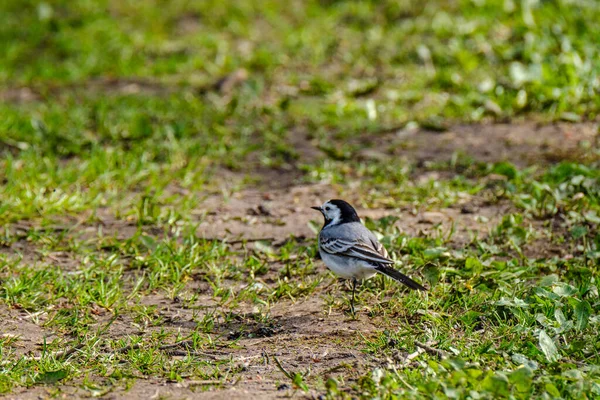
x=319, y=209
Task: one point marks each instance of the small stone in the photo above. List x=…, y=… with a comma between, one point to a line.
x=282, y=387
x=468, y=209
x=432, y=217
x=371, y=154
x=496, y=177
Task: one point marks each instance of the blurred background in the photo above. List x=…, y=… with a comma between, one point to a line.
x=102, y=98
x=145, y=108
x=168, y=84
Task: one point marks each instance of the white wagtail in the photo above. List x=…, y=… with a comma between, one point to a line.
x=351, y=250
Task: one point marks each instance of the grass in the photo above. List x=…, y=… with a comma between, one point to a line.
x=119, y=120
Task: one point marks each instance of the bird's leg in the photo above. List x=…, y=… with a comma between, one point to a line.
x=352, y=303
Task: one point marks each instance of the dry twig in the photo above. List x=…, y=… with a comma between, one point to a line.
x=431, y=350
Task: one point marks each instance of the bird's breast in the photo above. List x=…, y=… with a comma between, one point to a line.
x=347, y=267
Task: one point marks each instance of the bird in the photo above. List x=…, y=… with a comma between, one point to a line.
x=351, y=250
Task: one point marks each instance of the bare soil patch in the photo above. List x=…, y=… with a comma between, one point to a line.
x=26, y=328
x=120, y=86
x=280, y=213
x=523, y=144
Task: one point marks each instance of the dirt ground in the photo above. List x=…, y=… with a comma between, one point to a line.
x=303, y=335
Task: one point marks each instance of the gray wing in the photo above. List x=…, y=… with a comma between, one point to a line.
x=380, y=249
x=353, y=240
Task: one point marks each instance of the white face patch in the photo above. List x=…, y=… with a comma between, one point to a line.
x=332, y=213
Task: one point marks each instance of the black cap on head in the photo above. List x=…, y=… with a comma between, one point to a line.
x=348, y=213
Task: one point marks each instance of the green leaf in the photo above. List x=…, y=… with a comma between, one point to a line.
x=434, y=123
x=544, y=293
x=50, y=377
x=507, y=169
x=574, y=374
x=552, y=390
x=560, y=316
x=432, y=273
x=592, y=216
x=497, y=384
x=435, y=253
x=473, y=264
x=299, y=382
x=564, y=290
x=548, y=280
x=570, y=117
x=332, y=386
x=548, y=347
x=148, y=241
x=512, y=303
x=577, y=345
x=264, y=246
x=579, y=231
x=522, y=360
x=583, y=310
x=521, y=378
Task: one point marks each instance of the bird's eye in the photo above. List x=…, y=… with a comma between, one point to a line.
x=327, y=208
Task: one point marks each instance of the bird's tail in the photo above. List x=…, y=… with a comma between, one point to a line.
x=400, y=277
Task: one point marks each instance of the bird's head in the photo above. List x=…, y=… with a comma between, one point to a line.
x=337, y=212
